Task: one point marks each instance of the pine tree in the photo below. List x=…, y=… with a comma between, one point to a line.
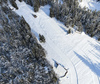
x=69, y=31
x=36, y=5
x=51, y=13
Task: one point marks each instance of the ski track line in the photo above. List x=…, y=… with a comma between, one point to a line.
x=95, y=77
x=62, y=57
x=66, y=55
x=62, y=54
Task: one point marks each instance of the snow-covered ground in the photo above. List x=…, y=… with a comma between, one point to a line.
x=78, y=53
x=91, y=4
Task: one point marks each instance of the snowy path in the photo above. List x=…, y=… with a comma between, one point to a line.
x=78, y=52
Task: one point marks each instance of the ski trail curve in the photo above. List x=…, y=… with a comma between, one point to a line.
x=69, y=63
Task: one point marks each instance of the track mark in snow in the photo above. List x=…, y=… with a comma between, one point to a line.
x=62, y=54
x=95, y=77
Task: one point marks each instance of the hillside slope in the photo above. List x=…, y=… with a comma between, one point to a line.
x=77, y=53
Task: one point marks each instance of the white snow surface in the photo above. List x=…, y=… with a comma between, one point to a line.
x=76, y=52
x=90, y=4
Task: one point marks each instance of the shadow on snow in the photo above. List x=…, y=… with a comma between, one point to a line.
x=95, y=67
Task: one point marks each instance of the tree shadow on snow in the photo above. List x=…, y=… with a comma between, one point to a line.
x=97, y=55
x=56, y=64
x=95, y=67
x=96, y=46
x=35, y=33
x=46, y=9
x=63, y=29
